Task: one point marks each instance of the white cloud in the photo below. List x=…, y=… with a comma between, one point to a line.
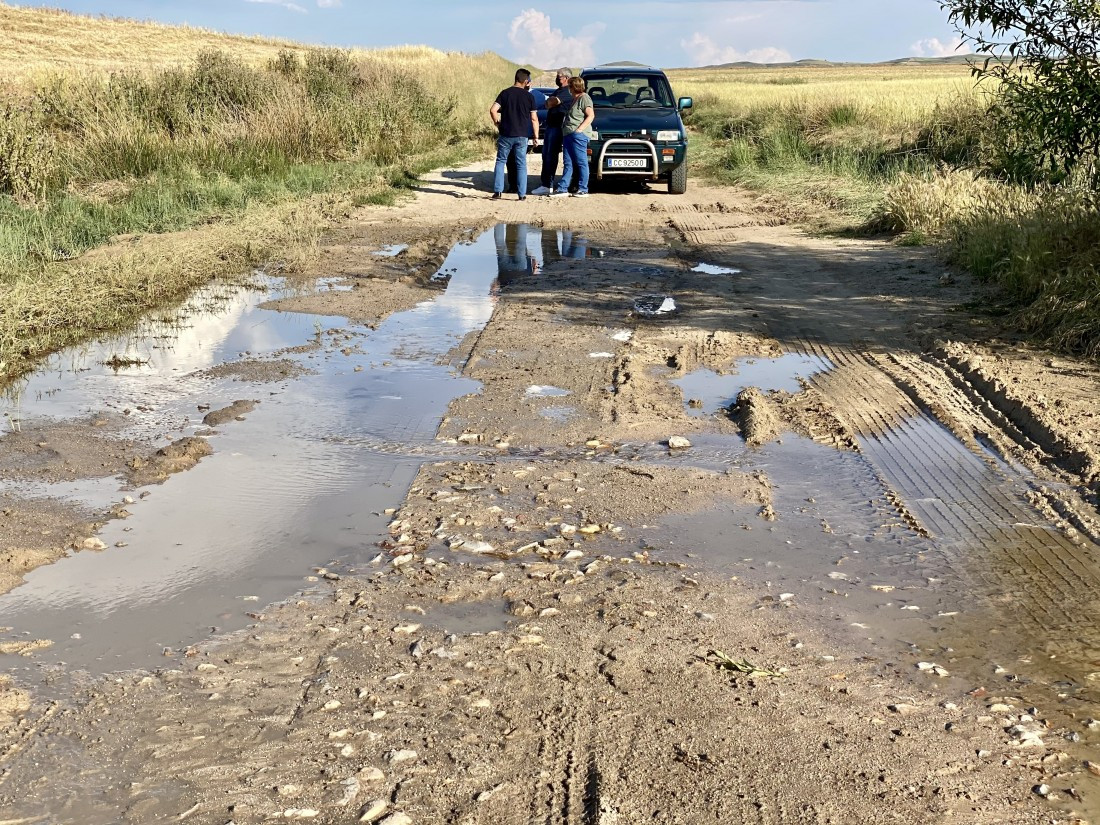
x=703, y=51
x=934, y=47
x=286, y=4
x=541, y=45
x=329, y=4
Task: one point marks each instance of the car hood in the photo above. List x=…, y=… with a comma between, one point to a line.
x=636, y=119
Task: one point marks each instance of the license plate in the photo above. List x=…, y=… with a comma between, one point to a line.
x=627, y=163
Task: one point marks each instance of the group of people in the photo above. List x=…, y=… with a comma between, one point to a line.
x=569, y=119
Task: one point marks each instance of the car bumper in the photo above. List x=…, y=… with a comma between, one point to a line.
x=634, y=158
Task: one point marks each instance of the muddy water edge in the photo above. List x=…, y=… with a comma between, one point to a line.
x=869, y=519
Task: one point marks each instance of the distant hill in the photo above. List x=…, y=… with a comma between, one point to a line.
x=812, y=63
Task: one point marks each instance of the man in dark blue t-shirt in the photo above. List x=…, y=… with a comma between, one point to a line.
x=514, y=115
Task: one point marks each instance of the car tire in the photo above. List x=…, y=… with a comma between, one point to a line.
x=678, y=179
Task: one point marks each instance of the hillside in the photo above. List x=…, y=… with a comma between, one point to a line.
x=40, y=41
x=813, y=63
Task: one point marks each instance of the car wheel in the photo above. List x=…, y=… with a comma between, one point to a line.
x=678, y=179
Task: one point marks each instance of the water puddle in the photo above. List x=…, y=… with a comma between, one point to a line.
x=713, y=269
x=468, y=618
x=651, y=306
x=391, y=250
x=290, y=489
x=545, y=392
x=711, y=391
x=559, y=415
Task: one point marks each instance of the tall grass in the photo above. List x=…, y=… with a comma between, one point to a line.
x=207, y=166
x=835, y=136
x=85, y=158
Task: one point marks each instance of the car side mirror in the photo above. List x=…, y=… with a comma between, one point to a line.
x=685, y=103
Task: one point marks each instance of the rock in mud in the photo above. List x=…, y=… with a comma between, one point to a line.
x=757, y=417
x=175, y=458
x=374, y=810
x=226, y=414
x=13, y=702
x=678, y=442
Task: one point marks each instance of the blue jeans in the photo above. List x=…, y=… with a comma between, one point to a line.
x=575, y=152
x=551, y=149
x=516, y=146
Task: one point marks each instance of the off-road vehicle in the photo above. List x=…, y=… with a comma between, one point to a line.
x=638, y=132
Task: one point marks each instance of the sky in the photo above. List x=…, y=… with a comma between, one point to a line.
x=542, y=34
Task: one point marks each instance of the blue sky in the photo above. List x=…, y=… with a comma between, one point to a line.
x=575, y=32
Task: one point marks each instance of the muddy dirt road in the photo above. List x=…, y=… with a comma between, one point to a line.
x=640, y=508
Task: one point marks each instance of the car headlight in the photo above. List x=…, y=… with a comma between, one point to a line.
x=671, y=134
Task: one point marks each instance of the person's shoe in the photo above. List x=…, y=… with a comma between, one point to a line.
x=542, y=190
x=559, y=194
x=580, y=194
x=523, y=197
x=496, y=196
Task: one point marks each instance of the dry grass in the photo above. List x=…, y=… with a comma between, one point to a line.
x=40, y=43
x=217, y=169
x=43, y=41
x=894, y=92
x=911, y=149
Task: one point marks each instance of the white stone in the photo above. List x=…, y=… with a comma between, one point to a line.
x=373, y=810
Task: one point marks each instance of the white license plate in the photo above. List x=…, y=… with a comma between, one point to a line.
x=627, y=163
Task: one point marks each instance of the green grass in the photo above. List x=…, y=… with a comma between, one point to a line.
x=70, y=225
x=207, y=170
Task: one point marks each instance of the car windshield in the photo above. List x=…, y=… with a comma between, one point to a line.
x=623, y=90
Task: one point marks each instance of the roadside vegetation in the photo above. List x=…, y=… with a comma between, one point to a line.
x=924, y=151
x=122, y=188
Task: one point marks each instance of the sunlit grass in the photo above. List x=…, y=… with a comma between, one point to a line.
x=909, y=149
x=208, y=152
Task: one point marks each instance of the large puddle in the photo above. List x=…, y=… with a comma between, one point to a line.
x=915, y=538
x=291, y=489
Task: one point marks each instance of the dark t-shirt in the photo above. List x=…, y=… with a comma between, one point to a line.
x=556, y=116
x=516, y=105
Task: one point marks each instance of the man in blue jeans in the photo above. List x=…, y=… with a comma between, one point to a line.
x=514, y=115
x=552, y=139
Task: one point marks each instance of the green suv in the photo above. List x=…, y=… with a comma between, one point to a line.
x=638, y=132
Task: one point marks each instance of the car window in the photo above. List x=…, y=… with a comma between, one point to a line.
x=625, y=90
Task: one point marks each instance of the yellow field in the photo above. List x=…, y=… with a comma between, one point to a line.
x=892, y=93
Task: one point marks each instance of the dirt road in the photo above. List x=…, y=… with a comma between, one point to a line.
x=863, y=590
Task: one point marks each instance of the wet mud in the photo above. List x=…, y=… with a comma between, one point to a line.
x=477, y=584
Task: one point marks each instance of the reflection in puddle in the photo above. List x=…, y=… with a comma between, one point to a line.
x=712, y=269
x=718, y=391
x=290, y=489
x=649, y=306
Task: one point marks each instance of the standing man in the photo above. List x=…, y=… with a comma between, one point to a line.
x=514, y=115
x=556, y=107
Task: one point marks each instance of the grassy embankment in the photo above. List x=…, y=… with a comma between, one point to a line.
x=911, y=149
x=123, y=188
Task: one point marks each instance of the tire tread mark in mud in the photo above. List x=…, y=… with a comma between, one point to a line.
x=976, y=504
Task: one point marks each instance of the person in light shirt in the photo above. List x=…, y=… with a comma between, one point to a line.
x=577, y=131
